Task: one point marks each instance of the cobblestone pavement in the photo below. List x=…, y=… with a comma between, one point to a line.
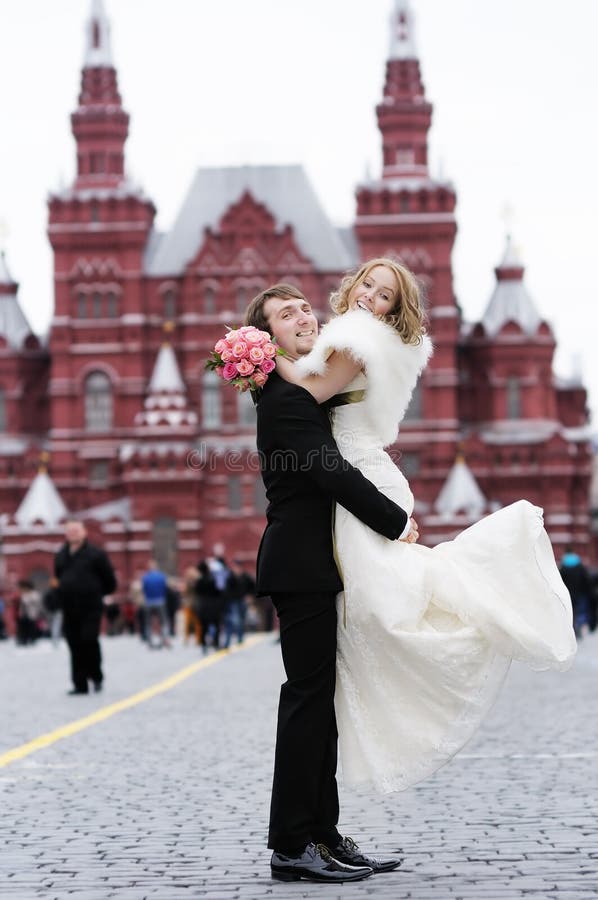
x=169, y=799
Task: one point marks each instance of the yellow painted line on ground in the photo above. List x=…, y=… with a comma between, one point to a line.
x=105, y=712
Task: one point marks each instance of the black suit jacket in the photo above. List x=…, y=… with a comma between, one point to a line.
x=84, y=577
x=304, y=474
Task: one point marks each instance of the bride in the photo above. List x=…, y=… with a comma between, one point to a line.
x=425, y=636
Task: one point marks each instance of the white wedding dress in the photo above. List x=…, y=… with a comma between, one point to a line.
x=425, y=636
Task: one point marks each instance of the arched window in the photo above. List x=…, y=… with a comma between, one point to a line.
x=164, y=540
x=211, y=401
x=3, y=424
x=96, y=301
x=513, y=398
x=209, y=300
x=241, y=299
x=112, y=303
x=81, y=306
x=98, y=402
x=260, y=501
x=245, y=409
x=169, y=301
x=235, y=495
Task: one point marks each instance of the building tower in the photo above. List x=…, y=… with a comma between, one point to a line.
x=408, y=214
x=99, y=229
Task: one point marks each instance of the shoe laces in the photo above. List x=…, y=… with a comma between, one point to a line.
x=349, y=843
x=324, y=852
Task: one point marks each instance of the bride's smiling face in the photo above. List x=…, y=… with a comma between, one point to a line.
x=376, y=292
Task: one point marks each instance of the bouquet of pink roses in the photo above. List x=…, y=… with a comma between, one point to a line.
x=244, y=357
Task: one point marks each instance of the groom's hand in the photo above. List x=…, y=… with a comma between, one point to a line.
x=413, y=535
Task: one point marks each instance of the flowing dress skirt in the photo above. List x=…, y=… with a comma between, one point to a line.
x=426, y=636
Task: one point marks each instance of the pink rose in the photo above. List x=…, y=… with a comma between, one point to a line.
x=227, y=354
x=256, y=355
x=251, y=335
x=220, y=345
x=229, y=371
x=269, y=349
x=267, y=366
x=244, y=386
x=260, y=377
x=219, y=370
x=265, y=335
x=240, y=349
x=244, y=367
x=231, y=336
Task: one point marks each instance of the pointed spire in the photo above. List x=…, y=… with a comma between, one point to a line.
x=14, y=326
x=100, y=125
x=42, y=503
x=7, y=283
x=166, y=377
x=166, y=401
x=404, y=115
x=460, y=492
x=98, y=51
x=402, y=31
x=510, y=301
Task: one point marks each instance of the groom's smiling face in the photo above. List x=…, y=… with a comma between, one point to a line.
x=292, y=323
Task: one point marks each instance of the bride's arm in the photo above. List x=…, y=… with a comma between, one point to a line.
x=341, y=369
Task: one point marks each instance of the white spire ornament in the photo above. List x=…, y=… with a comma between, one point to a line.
x=402, y=31
x=98, y=52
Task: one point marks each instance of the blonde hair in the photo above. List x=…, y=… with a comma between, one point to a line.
x=407, y=315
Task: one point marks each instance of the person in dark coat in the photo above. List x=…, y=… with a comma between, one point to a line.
x=239, y=587
x=579, y=584
x=84, y=577
x=304, y=475
x=210, y=606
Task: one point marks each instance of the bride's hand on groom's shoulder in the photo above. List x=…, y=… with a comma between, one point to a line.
x=413, y=535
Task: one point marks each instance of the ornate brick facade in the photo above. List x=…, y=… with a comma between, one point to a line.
x=159, y=458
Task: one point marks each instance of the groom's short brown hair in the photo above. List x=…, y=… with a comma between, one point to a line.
x=254, y=314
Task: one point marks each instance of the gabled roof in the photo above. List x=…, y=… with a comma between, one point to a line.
x=284, y=190
x=41, y=503
x=460, y=492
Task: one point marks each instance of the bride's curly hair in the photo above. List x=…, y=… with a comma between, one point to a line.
x=407, y=315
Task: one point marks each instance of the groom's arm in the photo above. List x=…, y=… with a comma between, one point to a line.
x=298, y=429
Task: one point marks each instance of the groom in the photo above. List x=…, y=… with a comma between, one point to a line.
x=304, y=475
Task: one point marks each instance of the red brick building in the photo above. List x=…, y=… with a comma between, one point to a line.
x=126, y=428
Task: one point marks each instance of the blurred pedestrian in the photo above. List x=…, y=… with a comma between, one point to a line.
x=29, y=613
x=240, y=586
x=51, y=602
x=154, y=585
x=210, y=601
x=190, y=607
x=3, y=635
x=173, y=604
x=137, y=599
x=578, y=583
x=85, y=576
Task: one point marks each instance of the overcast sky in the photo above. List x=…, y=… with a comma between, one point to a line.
x=217, y=82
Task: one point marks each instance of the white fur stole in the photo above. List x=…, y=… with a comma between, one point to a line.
x=392, y=367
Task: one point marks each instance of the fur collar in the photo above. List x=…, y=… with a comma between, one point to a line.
x=392, y=367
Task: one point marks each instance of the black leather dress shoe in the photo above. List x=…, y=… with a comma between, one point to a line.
x=349, y=853
x=97, y=686
x=315, y=864
x=77, y=691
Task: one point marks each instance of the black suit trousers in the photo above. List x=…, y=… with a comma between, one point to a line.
x=304, y=804
x=86, y=657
